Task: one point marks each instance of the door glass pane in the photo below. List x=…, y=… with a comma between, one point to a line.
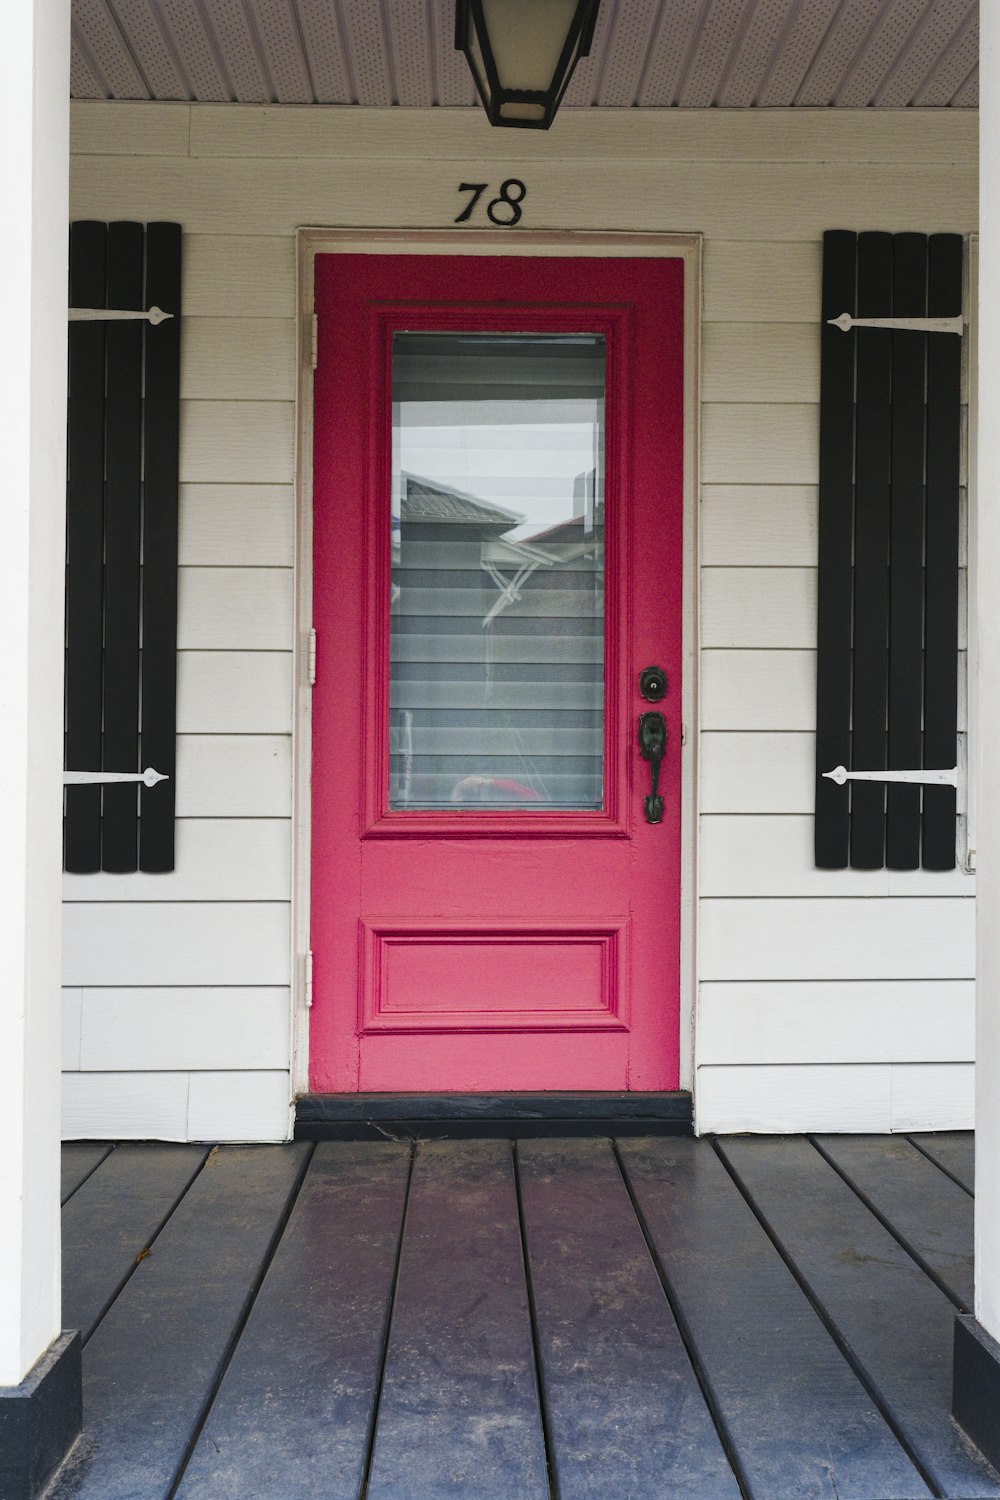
x=497, y=589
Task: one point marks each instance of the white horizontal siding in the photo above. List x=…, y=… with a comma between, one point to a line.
x=829, y=999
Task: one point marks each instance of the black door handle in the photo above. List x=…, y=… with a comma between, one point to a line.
x=652, y=744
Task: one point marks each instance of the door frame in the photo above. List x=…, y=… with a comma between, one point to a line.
x=312, y=241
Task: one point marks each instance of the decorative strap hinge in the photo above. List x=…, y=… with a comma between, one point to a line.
x=913, y=778
x=154, y=315
x=910, y=325
x=149, y=777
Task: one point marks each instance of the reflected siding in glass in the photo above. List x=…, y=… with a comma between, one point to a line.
x=497, y=588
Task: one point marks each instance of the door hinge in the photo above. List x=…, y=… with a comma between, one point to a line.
x=314, y=342
x=309, y=980
x=311, y=663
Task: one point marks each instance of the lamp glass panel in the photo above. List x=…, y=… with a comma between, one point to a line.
x=527, y=38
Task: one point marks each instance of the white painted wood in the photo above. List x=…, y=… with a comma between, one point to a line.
x=239, y=1107
x=125, y=1106
x=33, y=169
x=836, y=1022
x=234, y=776
x=765, y=281
x=757, y=773
x=893, y=938
x=752, y=443
x=247, y=442
x=129, y=128
x=771, y=1099
x=157, y=1029
x=770, y=608
x=758, y=690
x=72, y=1016
x=217, y=859
x=238, y=359
x=236, y=525
x=234, y=609
x=175, y=943
x=933, y=1096
x=235, y=276
x=760, y=361
x=756, y=525
x=234, y=692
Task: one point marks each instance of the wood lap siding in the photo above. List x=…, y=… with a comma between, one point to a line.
x=888, y=612
x=121, y=549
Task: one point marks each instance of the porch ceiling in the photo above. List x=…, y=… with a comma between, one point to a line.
x=647, y=53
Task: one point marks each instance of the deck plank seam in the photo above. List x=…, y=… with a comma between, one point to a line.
x=236, y=1333
x=99, y=1163
x=914, y=1141
x=841, y=1342
x=387, y=1330
x=683, y=1328
x=543, y=1407
x=890, y=1228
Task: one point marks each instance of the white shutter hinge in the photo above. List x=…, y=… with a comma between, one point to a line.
x=311, y=664
x=314, y=342
x=154, y=315
x=912, y=325
x=914, y=778
x=309, y=980
x=149, y=777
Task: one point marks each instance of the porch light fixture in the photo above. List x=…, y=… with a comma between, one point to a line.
x=522, y=54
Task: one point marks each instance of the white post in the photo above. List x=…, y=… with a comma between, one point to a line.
x=34, y=151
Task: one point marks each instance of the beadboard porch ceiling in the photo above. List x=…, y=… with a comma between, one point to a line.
x=647, y=53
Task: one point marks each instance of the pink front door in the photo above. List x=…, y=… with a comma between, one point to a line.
x=498, y=520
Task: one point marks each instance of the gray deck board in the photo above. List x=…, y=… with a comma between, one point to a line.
x=897, y=1324
x=803, y=1428
x=626, y=1415
x=459, y=1414
x=292, y=1415
x=954, y=1150
x=79, y=1159
x=927, y=1211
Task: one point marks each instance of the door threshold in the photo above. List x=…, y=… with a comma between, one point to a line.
x=369, y=1117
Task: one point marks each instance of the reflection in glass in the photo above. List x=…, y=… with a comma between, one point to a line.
x=497, y=590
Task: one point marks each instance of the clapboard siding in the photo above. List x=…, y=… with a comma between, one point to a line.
x=177, y=1000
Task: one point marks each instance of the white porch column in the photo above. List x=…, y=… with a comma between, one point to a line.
x=34, y=150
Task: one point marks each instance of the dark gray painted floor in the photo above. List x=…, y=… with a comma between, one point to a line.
x=538, y=1320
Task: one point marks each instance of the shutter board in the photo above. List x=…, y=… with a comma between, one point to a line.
x=85, y=545
x=836, y=528
x=944, y=373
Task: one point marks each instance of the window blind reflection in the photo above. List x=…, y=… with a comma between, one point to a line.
x=497, y=588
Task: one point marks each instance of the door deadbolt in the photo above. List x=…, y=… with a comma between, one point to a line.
x=653, y=684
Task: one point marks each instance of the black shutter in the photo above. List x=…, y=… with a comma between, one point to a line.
x=887, y=638
x=121, y=548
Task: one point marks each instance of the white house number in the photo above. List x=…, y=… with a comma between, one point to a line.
x=504, y=209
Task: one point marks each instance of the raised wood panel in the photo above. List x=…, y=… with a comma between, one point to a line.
x=238, y=359
x=892, y=938
x=928, y=1096
x=782, y=201
x=788, y=1098
x=761, y=281
x=235, y=609
x=129, y=128
x=234, y=776
x=760, y=361
x=175, y=943
x=217, y=859
x=774, y=856
x=677, y=134
x=239, y=1107
x=132, y=1030
x=758, y=607
x=234, y=692
x=237, y=442
x=758, y=690
x=757, y=773
x=756, y=443
x=863, y=1021
x=239, y=276
x=124, y=1106
x=757, y=525
x=237, y=525
x=72, y=1013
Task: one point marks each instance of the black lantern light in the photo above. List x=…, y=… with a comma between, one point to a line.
x=522, y=54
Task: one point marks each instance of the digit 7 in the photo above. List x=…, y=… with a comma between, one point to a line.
x=477, y=189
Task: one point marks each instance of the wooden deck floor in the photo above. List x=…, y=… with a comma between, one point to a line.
x=583, y=1320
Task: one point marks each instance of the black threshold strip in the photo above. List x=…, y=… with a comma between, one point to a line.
x=241, y=1321
x=543, y=1405
x=917, y=1143
x=867, y=1384
x=888, y=1225
x=685, y=1333
x=386, y=1331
